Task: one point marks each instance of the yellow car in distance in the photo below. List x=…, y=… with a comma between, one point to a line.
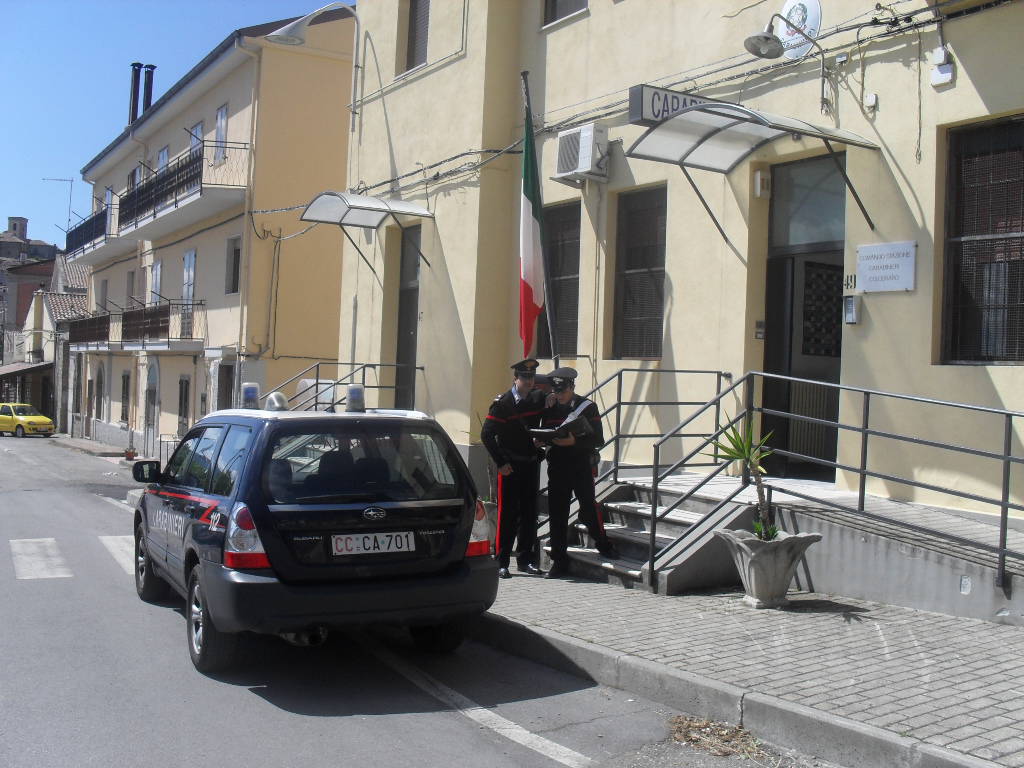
x=21, y=419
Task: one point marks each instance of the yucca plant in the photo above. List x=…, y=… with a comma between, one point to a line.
x=739, y=445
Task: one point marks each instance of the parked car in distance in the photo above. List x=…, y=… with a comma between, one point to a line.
x=294, y=523
x=22, y=419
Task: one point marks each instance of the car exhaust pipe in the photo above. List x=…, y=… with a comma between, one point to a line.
x=311, y=638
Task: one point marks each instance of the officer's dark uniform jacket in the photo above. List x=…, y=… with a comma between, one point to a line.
x=506, y=431
x=585, y=444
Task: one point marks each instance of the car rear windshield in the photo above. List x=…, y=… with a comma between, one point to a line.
x=362, y=461
x=26, y=410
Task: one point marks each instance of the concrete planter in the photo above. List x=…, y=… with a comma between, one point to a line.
x=766, y=567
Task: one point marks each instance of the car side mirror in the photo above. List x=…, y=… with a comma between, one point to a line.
x=146, y=471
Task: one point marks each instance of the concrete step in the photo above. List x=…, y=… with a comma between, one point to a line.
x=632, y=543
x=637, y=515
x=590, y=564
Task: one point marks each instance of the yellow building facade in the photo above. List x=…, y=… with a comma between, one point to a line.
x=785, y=263
x=196, y=283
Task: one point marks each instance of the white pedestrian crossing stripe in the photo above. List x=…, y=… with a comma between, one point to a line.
x=122, y=548
x=38, y=559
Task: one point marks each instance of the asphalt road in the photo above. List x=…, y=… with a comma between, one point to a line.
x=92, y=676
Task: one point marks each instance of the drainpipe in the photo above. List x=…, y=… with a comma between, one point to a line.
x=245, y=262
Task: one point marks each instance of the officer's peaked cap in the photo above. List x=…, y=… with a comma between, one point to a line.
x=562, y=378
x=529, y=365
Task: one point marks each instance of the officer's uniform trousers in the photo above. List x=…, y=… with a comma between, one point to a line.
x=517, y=516
x=568, y=474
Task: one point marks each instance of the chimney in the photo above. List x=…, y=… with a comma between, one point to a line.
x=133, y=104
x=18, y=226
x=147, y=86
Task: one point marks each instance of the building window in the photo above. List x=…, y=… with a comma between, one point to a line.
x=154, y=282
x=98, y=394
x=129, y=288
x=183, y=400
x=984, y=258
x=562, y=252
x=126, y=393
x=417, y=22
x=162, y=157
x=559, y=9
x=220, y=149
x=640, y=274
x=234, y=262
x=101, y=295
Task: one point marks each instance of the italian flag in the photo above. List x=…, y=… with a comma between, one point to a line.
x=531, y=257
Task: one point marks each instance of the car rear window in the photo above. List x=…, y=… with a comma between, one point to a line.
x=362, y=461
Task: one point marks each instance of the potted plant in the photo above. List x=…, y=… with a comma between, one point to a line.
x=767, y=558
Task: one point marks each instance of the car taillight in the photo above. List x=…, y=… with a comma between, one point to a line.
x=242, y=546
x=479, y=539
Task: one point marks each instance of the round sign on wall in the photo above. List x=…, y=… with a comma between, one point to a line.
x=805, y=15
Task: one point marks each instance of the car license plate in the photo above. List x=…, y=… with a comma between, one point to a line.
x=372, y=543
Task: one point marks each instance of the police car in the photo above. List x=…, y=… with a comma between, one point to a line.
x=293, y=523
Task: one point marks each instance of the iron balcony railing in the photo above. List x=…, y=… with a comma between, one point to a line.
x=746, y=395
x=212, y=164
x=90, y=330
x=91, y=229
x=164, y=322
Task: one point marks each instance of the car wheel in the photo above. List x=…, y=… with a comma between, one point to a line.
x=149, y=586
x=438, y=638
x=19, y=431
x=210, y=649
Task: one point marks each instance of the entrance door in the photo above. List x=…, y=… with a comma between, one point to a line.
x=803, y=323
x=408, y=319
x=150, y=423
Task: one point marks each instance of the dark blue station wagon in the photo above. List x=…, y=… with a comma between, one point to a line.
x=293, y=523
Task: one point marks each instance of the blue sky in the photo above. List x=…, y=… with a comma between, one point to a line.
x=66, y=76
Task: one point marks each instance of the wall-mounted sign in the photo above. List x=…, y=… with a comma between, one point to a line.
x=649, y=105
x=804, y=14
x=886, y=266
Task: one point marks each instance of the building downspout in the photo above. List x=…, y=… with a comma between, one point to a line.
x=247, y=231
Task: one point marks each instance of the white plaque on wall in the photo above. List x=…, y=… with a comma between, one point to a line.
x=886, y=266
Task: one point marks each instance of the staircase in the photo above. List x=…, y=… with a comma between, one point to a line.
x=662, y=516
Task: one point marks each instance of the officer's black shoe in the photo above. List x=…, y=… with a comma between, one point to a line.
x=503, y=573
x=529, y=568
x=557, y=570
x=609, y=550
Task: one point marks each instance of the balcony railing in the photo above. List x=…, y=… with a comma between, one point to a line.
x=214, y=164
x=93, y=228
x=90, y=330
x=164, y=322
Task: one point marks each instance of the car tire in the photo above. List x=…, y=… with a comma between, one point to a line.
x=150, y=587
x=438, y=638
x=19, y=431
x=209, y=649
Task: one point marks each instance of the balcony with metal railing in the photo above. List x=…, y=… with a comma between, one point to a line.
x=88, y=334
x=168, y=325
x=193, y=186
x=95, y=239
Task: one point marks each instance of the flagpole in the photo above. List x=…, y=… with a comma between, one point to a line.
x=549, y=304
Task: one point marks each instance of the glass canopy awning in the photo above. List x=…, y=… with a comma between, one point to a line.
x=347, y=209
x=717, y=137
x=351, y=210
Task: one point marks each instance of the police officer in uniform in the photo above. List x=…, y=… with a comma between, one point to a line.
x=506, y=435
x=570, y=469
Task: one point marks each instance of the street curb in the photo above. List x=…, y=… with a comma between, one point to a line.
x=107, y=453
x=780, y=722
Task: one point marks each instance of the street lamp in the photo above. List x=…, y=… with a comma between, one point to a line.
x=294, y=33
x=767, y=45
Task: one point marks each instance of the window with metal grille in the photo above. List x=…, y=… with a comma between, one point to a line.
x=559, y=9
x=416, y=40
x=640, y=274
x=126, y=390
x=562, y=251
x=984, y=259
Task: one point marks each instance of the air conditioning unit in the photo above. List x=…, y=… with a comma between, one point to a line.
x=583, y=153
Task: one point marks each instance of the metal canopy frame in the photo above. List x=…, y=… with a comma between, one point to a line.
x=718, y=136
x=347, y=209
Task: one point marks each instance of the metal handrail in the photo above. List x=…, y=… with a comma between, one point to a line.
x=866, y=431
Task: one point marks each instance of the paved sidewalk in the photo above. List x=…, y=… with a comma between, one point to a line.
x=857, y=683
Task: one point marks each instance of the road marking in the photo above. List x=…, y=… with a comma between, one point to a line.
x=38, y=559
x=124, y=507
x=122, y=549
x=481, y=715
